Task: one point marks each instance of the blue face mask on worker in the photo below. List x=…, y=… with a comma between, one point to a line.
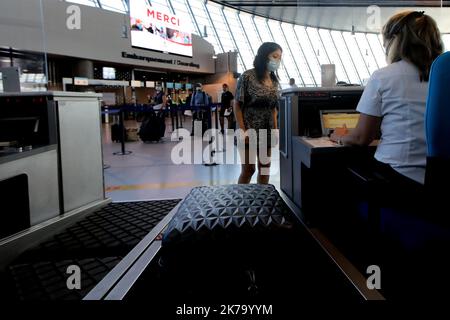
x=273, y=65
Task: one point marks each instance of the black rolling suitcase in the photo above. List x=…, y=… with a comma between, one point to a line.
x=226, y=244
x=116, y=132
x=162, y=123
x=153, y=127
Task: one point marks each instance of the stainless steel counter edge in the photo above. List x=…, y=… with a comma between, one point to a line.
x=25, y=154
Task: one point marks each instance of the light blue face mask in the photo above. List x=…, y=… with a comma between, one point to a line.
x=273, y=65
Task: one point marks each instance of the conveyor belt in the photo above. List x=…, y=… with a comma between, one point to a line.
x=302, y=265
x=96, y=244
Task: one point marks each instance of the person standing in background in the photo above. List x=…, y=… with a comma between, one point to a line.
x=159, y=99
x=189, y=97
x=200, y=106
x=226, y=99
x=292, y=83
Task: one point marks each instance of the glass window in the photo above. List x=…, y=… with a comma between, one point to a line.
x=161, y=3
x=288, y=60
x=215, y=13
x=263, y=31
x=250, y=30
x=367, y=52
x=198, y=10
x=244, y=49
x=179, y=6
x=377, y=49
x=32, y=68
x=313, y=46
x=297, y=53
x=310, y=54
x=333, y=55
x=113, y=5
x=356, y=55
x=91, y=3
x=345, y=56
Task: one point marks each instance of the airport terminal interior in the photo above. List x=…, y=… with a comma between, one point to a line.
x=190, y=154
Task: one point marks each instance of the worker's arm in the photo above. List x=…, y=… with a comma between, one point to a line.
x=365, y=132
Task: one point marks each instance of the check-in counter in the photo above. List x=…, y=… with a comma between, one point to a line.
x=300, y=117
x=51, y=163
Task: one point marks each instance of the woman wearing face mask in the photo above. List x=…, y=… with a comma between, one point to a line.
x=255, y=107
x=394, y=99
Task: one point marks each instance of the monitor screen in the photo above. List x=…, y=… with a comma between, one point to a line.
x=309, y=103
x=188, y=86
x=150, y=84
x=109, y=73
x=332, y=119
x=169, y=85
x=178, y=85
x=155, y=28
x=136, y=83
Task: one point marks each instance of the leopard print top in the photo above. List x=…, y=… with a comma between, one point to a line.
x=257, y=101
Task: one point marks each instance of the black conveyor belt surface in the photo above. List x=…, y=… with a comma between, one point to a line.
x=95, y=244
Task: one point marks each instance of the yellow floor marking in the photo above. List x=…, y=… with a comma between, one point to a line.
x=167, y=185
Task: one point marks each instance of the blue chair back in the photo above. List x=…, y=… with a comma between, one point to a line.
x=437, y=115
x=437, y=123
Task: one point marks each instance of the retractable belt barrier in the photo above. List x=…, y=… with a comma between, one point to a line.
x=173, y=109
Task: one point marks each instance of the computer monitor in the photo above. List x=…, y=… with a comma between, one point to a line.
x=308, y=102
x=331, y=119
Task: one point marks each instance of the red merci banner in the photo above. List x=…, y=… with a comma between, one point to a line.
x=163, y=17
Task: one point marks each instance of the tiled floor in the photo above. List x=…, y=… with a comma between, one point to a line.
x=148, y=173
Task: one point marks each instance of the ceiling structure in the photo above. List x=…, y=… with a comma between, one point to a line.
x=338, y=3
x=346, y=15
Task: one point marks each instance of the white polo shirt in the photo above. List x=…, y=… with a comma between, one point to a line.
x=396, y=94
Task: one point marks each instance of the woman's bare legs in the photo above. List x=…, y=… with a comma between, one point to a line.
x=264, y=169
x=247, y=171
x=248, y=167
